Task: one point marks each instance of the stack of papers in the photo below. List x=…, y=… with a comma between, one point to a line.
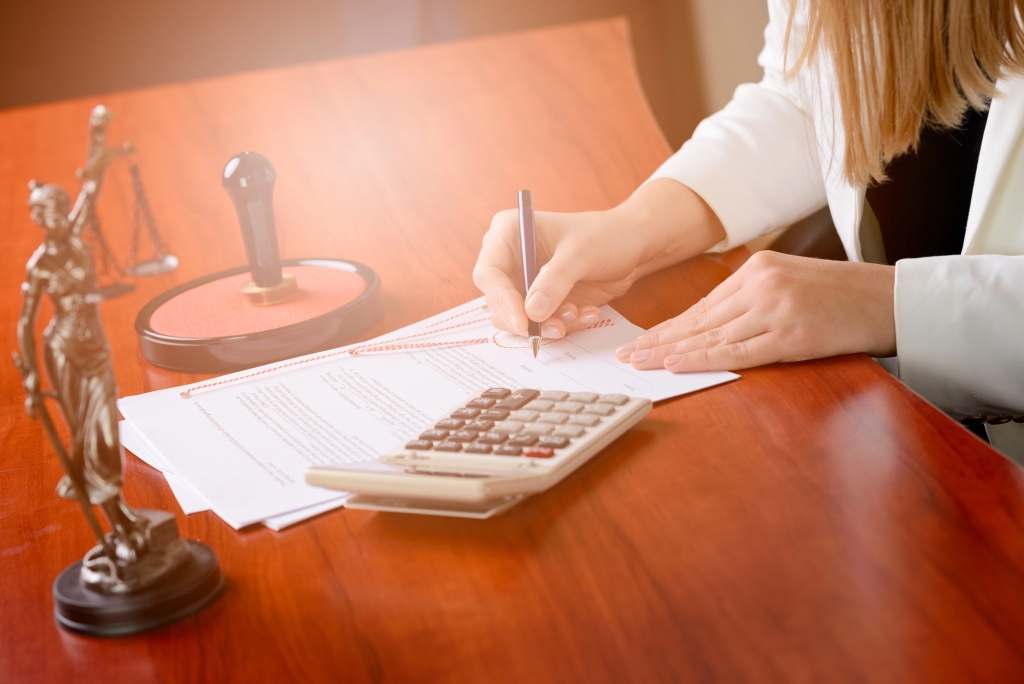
x=239, y=445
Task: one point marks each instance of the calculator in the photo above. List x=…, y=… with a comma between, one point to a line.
x=488, y=453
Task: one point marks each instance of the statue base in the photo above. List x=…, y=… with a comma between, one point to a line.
x=189, y=589
x=128, y=572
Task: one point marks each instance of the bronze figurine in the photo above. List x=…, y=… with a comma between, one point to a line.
x=142, y=546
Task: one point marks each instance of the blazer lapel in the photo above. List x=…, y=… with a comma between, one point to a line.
x=845, y=201
x=1005, y=121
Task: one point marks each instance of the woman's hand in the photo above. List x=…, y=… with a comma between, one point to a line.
x=588, y=259
x=587, y=262
x=776, y=307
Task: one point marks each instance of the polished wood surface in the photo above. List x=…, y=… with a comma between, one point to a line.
x=808, y=522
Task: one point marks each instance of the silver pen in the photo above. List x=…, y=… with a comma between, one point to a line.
x=528, y=242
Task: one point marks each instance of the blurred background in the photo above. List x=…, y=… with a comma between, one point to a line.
x=690, y=54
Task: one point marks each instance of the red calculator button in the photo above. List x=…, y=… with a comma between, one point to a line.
x=538, y=452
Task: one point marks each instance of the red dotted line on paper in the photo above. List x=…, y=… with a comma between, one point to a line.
x=188, y=393
x=415, y=345
x=438, y=331
x=458, y=315
x=526, y=344
x=369, y=349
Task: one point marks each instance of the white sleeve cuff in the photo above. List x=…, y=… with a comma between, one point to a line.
x=960, y=331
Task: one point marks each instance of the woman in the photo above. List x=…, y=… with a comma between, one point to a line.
x=849, y=91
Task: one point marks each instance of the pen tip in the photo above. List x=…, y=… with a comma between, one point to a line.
x=535, y=343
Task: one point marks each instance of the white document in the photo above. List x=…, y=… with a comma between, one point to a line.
x=188, y=498
x=244, y=441
x=192, y=501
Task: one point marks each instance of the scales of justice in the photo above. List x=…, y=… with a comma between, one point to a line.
x=141, y=574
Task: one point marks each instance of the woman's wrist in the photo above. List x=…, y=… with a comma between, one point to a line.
x=673, y=222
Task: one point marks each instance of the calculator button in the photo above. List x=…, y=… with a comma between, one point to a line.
x=538, y=429
x=583, y=397
x=480, y=403
x=449, y=424
x=523, y=416
x=433, y=435
x=553, y=442
x=539, y=452
x=599, y=409
x=553, y=418
x=505, y=450
x=491, y=438
x=494, y=414
x=496, y=393
x=568, y=407
x=509, y=426
x=553, y=396
x=448, y=446
x=571, y=431
x=616, y=399
x=419, y=445
x=539, y=405
x=586, y=419
x=465, y=413
x=462, y=436
x=522, y=440
x=479, y=425
x=477, y=448
x=517, y=399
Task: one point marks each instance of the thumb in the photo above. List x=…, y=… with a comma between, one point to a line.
x=552, y=286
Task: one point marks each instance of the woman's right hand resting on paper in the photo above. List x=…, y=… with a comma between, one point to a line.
x=590, y=258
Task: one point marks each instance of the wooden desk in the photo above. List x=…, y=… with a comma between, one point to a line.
x=811, y=522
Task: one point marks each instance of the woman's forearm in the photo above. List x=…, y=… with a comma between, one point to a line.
x=673, y=221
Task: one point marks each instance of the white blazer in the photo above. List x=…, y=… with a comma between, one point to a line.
x=775, y=154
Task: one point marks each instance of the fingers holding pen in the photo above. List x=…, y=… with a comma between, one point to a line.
x=588, y=316
x=569, y=318
x=496, y=265
x=557, y=295
x=503, y=300
x=552, y=285
x=508, y=311
x=558, y=325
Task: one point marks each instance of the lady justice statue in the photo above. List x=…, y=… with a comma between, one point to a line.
x=121, y=585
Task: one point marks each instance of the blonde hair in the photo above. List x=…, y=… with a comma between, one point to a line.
x=904, y=64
